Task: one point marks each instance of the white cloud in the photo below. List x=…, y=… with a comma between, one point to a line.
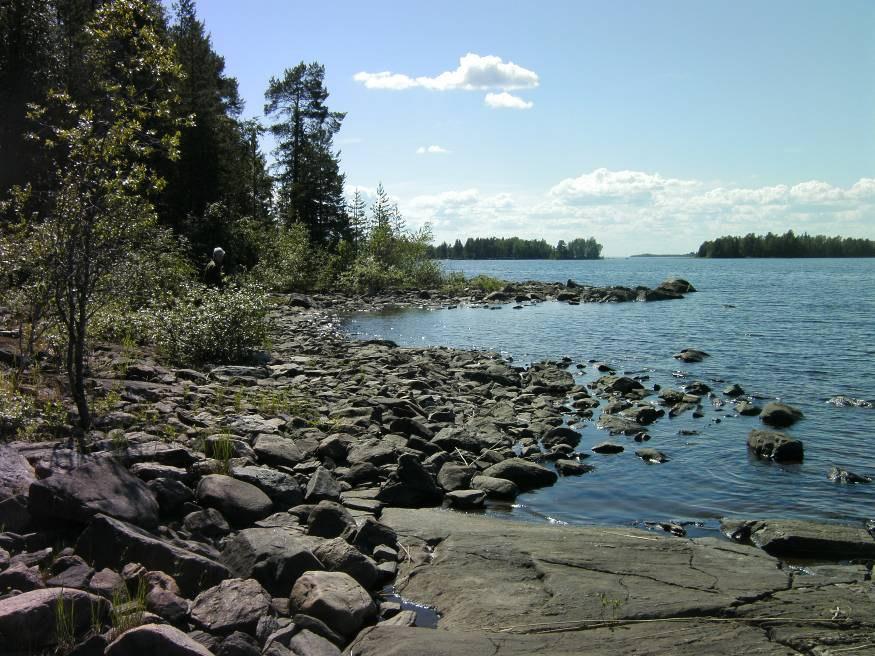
x=637, y=211
x=505, y=100
x=431, y=150
x=474, y=73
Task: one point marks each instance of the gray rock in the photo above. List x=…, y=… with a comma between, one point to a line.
x=21, y=577
x=307, y=643
x=453, y=476
x=371, y=534
x=108, y=542
x=16, y=474
x=233, y=605
x=207, y=523
x=526, y=475
x=607, y=447
x=496, y=488
x=239, y=502
x=278, y=450
x=282, y=488
x=619, y=425
x=171, y=494
x=76, y=575
x=101, y=486
x=733, y=391
x=329, y=520
x=339, y=556
x=275, y=557
x=572, y=467
x=104, y=582
x=691, y=355
x=167, y=605
x=14, y=515
x=560, y=435
x=651, y=455
x=747, y=409
x=788, y=538
x=410, y=485
x=28, y=620
x=156, y=639
x=239, y=644
x=780, y=415
x=840, y=475
x=466, y=499
x=776, y=446
x=322, y=486
x=335, y=598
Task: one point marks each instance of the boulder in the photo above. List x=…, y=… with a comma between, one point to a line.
x=691, y=355
x=676, y=285
x=275, y=557
x=108, y=542
x=282, y=488
x=16, y=474
x=560, y=435
x=28, y=620
x=571, y=467
x=747, y=409
x=496, y=488
x=101, y=486
x=239, y=644
x=322, y=486
x=307, y=643
x=607, y=448
x=793, y=538
x=339, y=556
x=453, y=476
x=780, y=415
x=233, y=605
x=19, y=576
x=774, y=445
x=207, y=523
x=278, y=450
x=156, y=639
x=171, y=494
x=526, y=475
x=335, y=598
x=840, y=475
x=410, y=485
x=329, y=520
x=651, y=456
x=466, y=499
x=239, y=502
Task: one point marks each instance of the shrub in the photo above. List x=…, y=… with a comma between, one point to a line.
x=211, y=325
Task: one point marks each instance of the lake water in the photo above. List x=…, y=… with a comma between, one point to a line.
x=800, y=330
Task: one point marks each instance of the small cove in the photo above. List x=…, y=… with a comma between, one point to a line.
x=802, y=331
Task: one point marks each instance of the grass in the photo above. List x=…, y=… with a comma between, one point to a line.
x=456, y=283
x=223, y=451
x=127, y=610
x=65, y=624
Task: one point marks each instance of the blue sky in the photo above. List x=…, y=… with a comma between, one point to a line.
x=649, y=125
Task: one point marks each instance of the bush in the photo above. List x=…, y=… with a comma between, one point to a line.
x=208, y=325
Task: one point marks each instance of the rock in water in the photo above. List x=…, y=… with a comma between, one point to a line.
x=335, y=598
x=691, y=355
x=526, y=475
x=676, y=285
x=803, y=539
x=780, y=415
x=101, y=486
x=840, y=475
x=776, y=446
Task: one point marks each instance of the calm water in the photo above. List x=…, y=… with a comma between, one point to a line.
x=802, y=331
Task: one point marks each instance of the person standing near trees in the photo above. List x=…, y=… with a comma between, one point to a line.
x=214, y=274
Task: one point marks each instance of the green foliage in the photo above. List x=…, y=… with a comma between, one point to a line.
x=514, y=248
x=223, y=451
x=787, y=245
x=206, y=325
x=65, y=625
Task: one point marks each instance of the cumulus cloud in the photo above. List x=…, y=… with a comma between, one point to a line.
x=474, y=73
x=639, y=211
x=505, y=100
x=431, y=150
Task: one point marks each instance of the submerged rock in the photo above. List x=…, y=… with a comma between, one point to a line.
x=840, y=475
x=776, y=446
x=780, y=415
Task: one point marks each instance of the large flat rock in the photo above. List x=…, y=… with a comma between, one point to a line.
x=516, y=588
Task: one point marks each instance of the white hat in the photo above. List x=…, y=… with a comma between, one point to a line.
x=219, y=252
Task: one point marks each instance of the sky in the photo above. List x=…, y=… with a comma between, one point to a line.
x=651, y=126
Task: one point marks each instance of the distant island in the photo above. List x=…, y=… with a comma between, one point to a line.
x=787, y=245
x=664, y=255
x=514, y=248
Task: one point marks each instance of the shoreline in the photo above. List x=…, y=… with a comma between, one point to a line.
x=325, y=442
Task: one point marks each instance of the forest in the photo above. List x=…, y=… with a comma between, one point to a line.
x=787, y=245
x=514, y=248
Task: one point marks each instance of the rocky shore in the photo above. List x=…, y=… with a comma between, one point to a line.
x=282, y=508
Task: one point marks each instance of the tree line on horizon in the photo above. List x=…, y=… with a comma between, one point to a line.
x=787, y=245
x=514, y=248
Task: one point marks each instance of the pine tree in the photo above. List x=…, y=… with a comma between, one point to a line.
x=310, y=183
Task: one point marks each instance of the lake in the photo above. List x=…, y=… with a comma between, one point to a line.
x=800, y=330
